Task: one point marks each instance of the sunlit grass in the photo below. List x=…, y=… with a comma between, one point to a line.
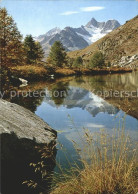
x=109, y=166
x=82, y=70
x=65, y=71
x=29, y=71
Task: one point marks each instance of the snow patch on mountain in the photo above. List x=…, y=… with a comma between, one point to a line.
x=77, y=38
x=95, y=34
x=53, y=31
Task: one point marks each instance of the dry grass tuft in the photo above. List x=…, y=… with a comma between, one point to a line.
x=65, y=71
x=111, y=168
x=29, y=71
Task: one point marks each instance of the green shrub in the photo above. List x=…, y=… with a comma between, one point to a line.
x=97, y=60
x=70, y=62
x=78, y=62
x=109, y=64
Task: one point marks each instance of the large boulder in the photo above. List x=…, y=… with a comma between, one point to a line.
x=24, y=123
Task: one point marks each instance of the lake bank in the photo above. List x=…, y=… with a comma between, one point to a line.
x=33, y=73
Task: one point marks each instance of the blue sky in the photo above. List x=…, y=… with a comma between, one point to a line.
x=37, y=17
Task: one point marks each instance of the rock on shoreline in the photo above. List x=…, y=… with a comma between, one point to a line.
x=24, y=123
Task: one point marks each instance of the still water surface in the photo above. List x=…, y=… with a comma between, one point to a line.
x=84, y=102
x=82, y=108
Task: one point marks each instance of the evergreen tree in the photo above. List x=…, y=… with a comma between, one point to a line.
x=29, y=47
x=78, y=62
x=97, y=60
x=11, y=50
x=57, y=54
x=39, y=52
x=33, y=50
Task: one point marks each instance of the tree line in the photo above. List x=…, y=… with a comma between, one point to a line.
x=13, y=49
x=59, y=58
x=16, y=51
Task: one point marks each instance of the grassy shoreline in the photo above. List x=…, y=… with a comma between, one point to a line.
x=32, y=72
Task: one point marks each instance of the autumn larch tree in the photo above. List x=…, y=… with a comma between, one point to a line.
x=11, y=50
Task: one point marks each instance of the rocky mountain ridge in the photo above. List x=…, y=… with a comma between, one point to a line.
x=121, y=42
x=77, y=38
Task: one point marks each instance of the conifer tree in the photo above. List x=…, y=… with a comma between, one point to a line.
x=97, y=60
x=39, y=52
x=33, y=50
x=57, y=54
x=78, y=62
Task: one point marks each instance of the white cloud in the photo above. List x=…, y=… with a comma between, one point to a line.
x=93, y=8
x=83, y=9
x=69, y=12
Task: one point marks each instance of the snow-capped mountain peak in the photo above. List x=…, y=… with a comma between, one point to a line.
x=53, y=31
x=77, y=38
x=97, y=30
x=93, y=23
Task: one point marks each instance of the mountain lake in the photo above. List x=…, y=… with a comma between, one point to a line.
x=71, y=105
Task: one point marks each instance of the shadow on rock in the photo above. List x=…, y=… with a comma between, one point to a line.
x=20, y=158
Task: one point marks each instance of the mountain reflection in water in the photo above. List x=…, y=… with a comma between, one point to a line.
x=81, y=106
